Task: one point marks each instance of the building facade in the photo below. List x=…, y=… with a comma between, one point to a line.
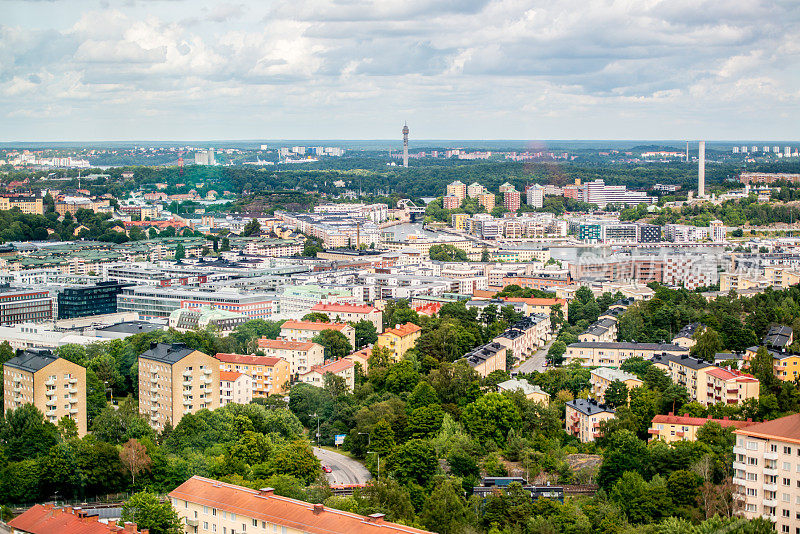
x=270, y=375
x=583, y=418
x=399, y=339
x=301, y=355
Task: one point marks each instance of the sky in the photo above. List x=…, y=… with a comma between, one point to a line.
x=74, y=70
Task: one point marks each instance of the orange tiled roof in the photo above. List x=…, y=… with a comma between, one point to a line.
x=299, y=515
x=45, y=519
x=403, y=330
x=282, y=344
x=229, y=376
x=250, y=359
x=314, y=325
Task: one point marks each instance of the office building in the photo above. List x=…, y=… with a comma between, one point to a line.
x=208, y=506
x=151, y=302
x=270, y=375
x=671, y=428
x=583, y=418
x=25, y=305
x=597, y=192
x=175, y=380
x=82, y=301
x=57, y=387
x=399, y=339
x=765, y=471
x=222, y=322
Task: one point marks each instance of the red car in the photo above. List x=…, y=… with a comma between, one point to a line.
x=326, y=469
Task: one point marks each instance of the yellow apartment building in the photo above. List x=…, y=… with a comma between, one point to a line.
x=270, y=375
x=399, y=339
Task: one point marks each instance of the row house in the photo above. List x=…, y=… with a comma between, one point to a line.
x=525, y=337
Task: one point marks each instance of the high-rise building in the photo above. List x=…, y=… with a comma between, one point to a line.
x=535, y=194
x=405, y=145
x=175, y=380
x=701, y=169
x=25, y=305
x=487, y=201
x=474, y=190
x=450, y=202
x=511, y=200
x=597, y=192
x=764, y=466
x=457, y=189
x=82, y=301
x=57, y=387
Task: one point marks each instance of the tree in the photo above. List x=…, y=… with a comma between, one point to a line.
x=296, y=459
x=623, y=452
x=556, y=352
x=485, y=255
x=226, y=245
x=492, y=416
x=447, y=253
x=26, y=434
x=251, y=228
x=445, y=510
x=335, y=343
x=413, y=461
x=134, y=457
x=180, y=252
x=365, y=333
x=381, y=439
x=708, y=343
x=316, y=317
x=148, y=511
x=617, y=394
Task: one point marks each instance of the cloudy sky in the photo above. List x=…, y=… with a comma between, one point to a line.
x=350, y=69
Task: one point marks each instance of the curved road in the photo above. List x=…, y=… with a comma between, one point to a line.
x=344, y=470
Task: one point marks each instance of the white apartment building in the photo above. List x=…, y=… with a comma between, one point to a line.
x=535, y=196
x=235, y=387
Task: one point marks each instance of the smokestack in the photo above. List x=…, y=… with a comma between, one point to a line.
x=701, y=170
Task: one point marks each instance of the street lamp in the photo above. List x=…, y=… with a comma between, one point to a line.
x=317, y=416
x=379, y=462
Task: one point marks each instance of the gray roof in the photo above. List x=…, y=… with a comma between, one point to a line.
x=613, y=374
x=131, y=327
x=483, y=353
x=589, y=406
x=32, y=360
x=167, y=352
x=777, y=336
x=689, y=330
x=683, y=359
x=521, y=384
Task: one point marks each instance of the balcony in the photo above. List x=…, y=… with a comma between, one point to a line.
x=192, y=522
x=153, y=408
x=17, y=389
x=153, y=371
x=186, y=383
x=72, y=391
x=187, y=402
x=50, y=382
x=740, y=465
x=73, y=411
x=770, y=472
x=153, y=390
x=205, y=380
x=51, y=402
x=154, y=380
x=73, y=400
x=770, y=502
x=207, y=371
x=187, y=372
x=73, y=380
x=653, y=431
x=770, y=455
x=770, y=487
x=154, y=417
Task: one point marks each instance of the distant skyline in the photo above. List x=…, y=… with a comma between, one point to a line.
x=105, y=70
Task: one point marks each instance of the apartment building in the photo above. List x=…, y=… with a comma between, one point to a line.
x=766, y=471
x=602, y=377
x=57, y=387
x=270, y=375
x=583, y=418
x=457, y=189
x=602, y=330
x=32, y=205
x=525, y=337
x=511, y=200
x=222, y=322
x=308, y=330
x=399, y=339
x=487, y=200
x=343, y=367
x=175, y=380
x=301, y=355
x=474, y=190
x=540, y=305
x=686, y=335
x=351, y=313
x=235, y=387
x=612, y=354
x=487, y=358
x=686, y=371
x=207, y=506
x=706, y=382
x=49, y=519
x=532, y=392
x=672, y=428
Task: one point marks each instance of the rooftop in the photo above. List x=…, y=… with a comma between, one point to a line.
x=333, y=367
x=282, y=344
x=778, y=336
x=250, y=359
x=131, y=327
x=403, y=330
x=32, y=360
x=521, y=384
x=343, y=308
x=264, y=505
x=229, y=376
x=783, y=429
x=688, y=331
x=313, y=325
x=589, y=406
x=614, y=374
x=627, y=345
x=167, y=352
x=46, y=519
x=682, y=359
x=731, y=374
x=699, y=421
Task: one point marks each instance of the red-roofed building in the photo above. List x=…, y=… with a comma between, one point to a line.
x=301, y=355
x=307, y=330
x=209, y=505
x=351, y=313
x=672, y=428
x=361, y=357
x=399, y=339
x=270, y=375
x=47, y=519
x=430, y=309
x=343, y=367
x=730, y=386
x=764, y=471
x=235, y=387
x=540, y=305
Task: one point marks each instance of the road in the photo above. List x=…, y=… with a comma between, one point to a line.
x=535, y=362
x=344, y=470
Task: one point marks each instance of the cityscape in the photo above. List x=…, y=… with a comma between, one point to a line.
x=359, y=267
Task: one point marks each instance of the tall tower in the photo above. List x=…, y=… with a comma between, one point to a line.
x=405, y=145
x=701, y=170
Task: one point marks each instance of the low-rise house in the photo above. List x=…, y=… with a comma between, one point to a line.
x=235, y=387
x=399, y=339
x=602, y=377
x=361, y=357
x=301, y=355
x=583, y=418
x=342, y=367
x=671, y=428
x=270, y=375
x=487, y=358
x=532, y=392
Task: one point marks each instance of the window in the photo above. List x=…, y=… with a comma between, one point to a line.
x=773, y=448
x=224, y=514
x=205, y=509
x=214, y=511
x=752, y=461
x=752, y=492
x=205, y=525
x=787, y=450
x=787, y=466
x=255, y=523
x=787, y=482
x=752, y=446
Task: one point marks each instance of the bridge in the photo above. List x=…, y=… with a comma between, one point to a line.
x=414, y=212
